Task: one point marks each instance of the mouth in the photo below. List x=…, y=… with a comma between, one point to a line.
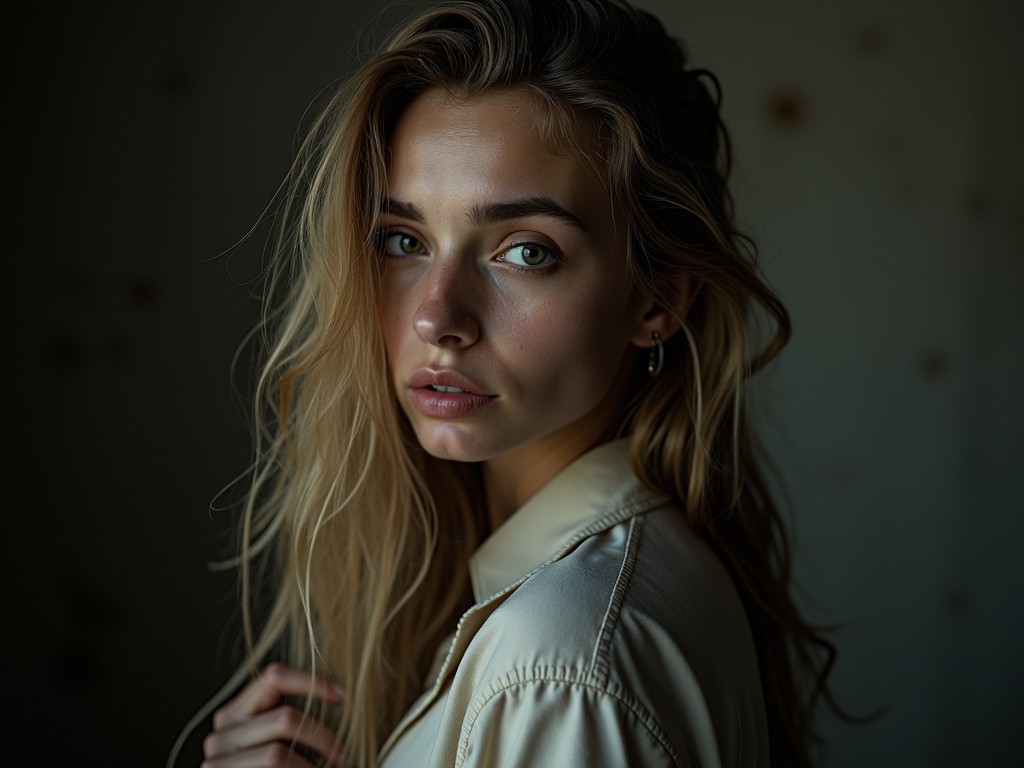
x=445, y=381
x=442, y=388
x=446, y=394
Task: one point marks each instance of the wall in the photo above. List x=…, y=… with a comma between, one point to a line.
x=880, y=171
x=879, y=168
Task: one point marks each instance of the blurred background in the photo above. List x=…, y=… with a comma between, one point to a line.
x=879, y=167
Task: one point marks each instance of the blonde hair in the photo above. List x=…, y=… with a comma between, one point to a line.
x=359, y=537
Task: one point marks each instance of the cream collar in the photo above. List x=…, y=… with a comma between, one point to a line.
x=594, y=492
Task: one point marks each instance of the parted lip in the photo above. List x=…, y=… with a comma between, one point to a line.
x=444, y=377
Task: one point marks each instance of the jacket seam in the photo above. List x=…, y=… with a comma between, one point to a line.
x=599, y=662
x=645, y=718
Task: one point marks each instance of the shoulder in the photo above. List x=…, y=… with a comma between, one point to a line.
x=648, y=574
x=638, y=624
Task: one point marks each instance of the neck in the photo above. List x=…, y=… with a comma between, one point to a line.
x=512, y=479
x=515, y=477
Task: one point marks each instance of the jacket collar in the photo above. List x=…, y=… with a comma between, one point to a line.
x=595, y=491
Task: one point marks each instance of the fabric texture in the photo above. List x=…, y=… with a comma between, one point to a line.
x=605, y=633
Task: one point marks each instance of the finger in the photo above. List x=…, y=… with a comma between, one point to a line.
x=266, y=690
x=275, y=755
x=284, y=725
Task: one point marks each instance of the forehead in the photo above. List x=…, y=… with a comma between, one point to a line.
x=505, y=135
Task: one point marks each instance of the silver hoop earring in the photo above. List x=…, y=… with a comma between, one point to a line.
x=657, y=355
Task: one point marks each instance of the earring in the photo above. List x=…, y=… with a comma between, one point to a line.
x=657, y=356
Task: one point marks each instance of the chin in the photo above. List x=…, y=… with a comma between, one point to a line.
x=452, y=444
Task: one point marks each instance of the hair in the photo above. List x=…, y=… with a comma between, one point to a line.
x=353, y=541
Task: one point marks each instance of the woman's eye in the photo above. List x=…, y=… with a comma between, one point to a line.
x=401, y=244
x=529, y=255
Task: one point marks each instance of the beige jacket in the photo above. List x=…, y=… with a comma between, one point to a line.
x=605, y=633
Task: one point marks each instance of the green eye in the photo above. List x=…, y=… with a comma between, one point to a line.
x=529, y=255
x=402, y=244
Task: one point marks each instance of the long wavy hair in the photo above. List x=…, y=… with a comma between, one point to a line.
x=353, y=541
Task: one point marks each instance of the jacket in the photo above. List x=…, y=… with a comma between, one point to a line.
x=605, y=633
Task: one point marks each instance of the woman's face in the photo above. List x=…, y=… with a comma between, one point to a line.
x=505, y=301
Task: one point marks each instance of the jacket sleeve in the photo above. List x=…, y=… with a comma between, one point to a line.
x=564, y=724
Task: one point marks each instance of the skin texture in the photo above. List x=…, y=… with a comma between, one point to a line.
x=547, y=332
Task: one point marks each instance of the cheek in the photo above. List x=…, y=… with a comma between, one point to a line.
x=571, y=348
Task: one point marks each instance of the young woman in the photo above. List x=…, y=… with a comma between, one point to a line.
x=505, y=510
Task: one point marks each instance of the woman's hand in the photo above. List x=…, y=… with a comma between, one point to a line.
x=257, y=728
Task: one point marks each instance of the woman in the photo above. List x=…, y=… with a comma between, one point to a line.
x=505, y=510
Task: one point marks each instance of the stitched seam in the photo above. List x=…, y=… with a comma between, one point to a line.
x=599, y=662
x=637, y=710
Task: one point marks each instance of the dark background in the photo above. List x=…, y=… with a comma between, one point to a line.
x=880, y=168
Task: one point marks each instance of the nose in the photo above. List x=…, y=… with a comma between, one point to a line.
x=447, y=314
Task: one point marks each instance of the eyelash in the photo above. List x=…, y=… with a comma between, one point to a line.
x=383, y=236
x=555, y=253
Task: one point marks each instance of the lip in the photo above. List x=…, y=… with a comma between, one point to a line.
x=444, y=377
x=446, y=405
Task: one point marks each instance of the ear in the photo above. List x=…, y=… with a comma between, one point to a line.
x=658, y=318
x=655, y=319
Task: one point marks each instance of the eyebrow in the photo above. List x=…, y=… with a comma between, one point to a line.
x=537, y=205
x=402, y=210
x=489, y=213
